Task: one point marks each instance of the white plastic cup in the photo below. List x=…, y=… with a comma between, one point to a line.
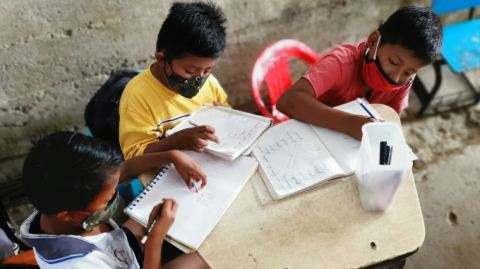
x=378, y=184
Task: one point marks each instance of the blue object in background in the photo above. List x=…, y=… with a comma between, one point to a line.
x=461, y=41
x=461, y=45
x=447, y=6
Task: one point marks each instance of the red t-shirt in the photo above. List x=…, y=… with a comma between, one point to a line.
x=337, y=79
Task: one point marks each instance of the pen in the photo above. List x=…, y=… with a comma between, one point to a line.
x=391, y=153
x=144, y=239
x=388, y=155
x=365, y=108
x=194, y=184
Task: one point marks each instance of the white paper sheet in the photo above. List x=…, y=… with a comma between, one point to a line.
x=197, y=214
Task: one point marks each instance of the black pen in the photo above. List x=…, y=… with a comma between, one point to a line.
x=144, y=239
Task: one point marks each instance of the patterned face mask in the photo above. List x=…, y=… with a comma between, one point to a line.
x=186, y=87
x=96, y=218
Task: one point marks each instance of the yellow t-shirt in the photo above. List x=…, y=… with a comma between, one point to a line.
x=148, y=109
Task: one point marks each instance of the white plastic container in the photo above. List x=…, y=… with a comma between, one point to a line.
x=378, y=184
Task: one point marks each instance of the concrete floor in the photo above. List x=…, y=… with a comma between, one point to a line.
x=449, y=191
x=447, y=178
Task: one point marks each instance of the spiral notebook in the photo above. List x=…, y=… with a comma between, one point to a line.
x=197, y=214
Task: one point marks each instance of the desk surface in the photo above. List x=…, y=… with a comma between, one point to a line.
x=325, y=227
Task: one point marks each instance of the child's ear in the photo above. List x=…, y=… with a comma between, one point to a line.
x=160, y=56
x=65, y=216
x=373, y=39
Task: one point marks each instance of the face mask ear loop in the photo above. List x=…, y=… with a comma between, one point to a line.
x=376, y=48
x=165, y=71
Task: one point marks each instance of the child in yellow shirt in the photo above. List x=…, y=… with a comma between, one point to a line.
x=189, y=43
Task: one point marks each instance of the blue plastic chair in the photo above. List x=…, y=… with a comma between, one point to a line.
x=460, y=50
x=127, y=190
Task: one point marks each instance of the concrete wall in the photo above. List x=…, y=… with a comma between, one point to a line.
x=54, y=54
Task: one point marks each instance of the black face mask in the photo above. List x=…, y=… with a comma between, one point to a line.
x=186, y=87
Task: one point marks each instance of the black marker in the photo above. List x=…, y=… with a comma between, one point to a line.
x=383, y=152
x=144, y=239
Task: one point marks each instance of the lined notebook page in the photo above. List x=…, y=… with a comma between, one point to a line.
x=293, y=158
x=236, y=130
x=343, y=147
x=197, y=214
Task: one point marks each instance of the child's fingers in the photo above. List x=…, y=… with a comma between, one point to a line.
x=197, y=149
x=211, y=137
x=204, y=182
x=174, y=207
x=154, y=211
x=206, y=129
x=167, y=204
x=199, y=142
x=199, y=175
x=188, y=181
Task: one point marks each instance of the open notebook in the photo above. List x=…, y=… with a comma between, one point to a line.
x=236, y=130
x=197, y=214
x=295, y=156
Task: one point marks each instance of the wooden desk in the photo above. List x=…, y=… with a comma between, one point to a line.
x=325, y=227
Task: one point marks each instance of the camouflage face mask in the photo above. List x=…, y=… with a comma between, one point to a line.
x=96, y=218
x=186, y=87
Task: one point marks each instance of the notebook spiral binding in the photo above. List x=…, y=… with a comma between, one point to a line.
x=148, y=187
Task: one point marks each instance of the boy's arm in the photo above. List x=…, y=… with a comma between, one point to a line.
x=153, y=257
x=187, y=167
x=153, y=246
x=194, y=139
x=299, y=102
x=164, y=144
x=135, y=166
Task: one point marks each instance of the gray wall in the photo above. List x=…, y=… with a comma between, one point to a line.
x=54, y=54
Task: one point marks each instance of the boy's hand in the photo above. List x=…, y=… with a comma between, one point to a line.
x=164, y=222
x=188, y=168
x=215, y=103
x=195, y=139
x=355, y=125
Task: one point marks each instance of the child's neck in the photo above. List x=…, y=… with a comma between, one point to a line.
x=159, y=74
x=52, y=225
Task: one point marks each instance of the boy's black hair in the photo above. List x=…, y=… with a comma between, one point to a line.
x=65, y=171
x=193, y=28
x=415, y=28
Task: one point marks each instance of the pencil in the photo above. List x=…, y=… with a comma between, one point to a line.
x=390, y=157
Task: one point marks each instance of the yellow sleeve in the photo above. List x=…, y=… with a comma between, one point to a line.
x=137, y=128
x=137, y=131
x=221, y=95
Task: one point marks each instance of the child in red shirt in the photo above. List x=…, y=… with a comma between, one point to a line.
x=381, y=69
